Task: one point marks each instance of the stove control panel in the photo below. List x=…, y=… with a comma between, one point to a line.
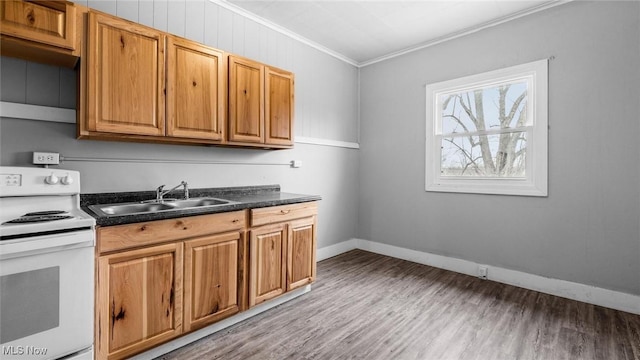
x=26, y=181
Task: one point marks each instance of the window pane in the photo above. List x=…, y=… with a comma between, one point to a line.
x=501, y=106
x=498, y=155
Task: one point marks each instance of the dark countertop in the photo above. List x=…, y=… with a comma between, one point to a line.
x=244, y=197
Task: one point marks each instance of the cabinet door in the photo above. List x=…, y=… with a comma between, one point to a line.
x=139, y=297
x=268, y=266
x=45, y=22
x=195, y=90
x=125, y=77
x=301, y=253
x=278, y=107
x=212, y=270
x=246, y=100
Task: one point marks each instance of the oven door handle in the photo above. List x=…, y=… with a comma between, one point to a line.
x=47, y=244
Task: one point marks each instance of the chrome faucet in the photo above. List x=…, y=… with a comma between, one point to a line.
x=160, y=192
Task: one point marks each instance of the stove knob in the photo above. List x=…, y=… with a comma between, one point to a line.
x=67, y=180
x=51, y=179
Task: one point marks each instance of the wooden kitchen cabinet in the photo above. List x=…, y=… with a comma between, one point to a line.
x=278, y=106
x=213, y=287
x=140, y=84
x=301, y=253
x=196, y=91
x=157, y=280
x=283, y=250
x=139, y=300
x=125, y=74
x=41, y=31
x=260, y=103
x=268, y=263
x=246, y=100
x=125, y=85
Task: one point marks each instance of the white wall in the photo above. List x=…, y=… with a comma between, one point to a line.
x=326, y=108
x=587, y=230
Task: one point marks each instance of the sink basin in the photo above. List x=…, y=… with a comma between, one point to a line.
x=152, y=207
x=124, y=209
x=198, y=202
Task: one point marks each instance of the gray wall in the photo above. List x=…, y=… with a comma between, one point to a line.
x=587, y=230
x=326, y=108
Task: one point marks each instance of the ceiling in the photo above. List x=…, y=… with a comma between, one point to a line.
x=363, y=31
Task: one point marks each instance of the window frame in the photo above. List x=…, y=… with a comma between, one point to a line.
x=535, y=182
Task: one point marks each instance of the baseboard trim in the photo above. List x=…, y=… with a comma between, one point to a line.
x=336, y=249
x=566, y=289
x=221, y=325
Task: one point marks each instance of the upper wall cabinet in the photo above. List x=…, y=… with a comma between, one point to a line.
x=195, y=90
x=260, y=103
x=41, y=31
x=278, y=107
x=140, y=84
x=125, y=73
x=246, y=100
x=125, y=77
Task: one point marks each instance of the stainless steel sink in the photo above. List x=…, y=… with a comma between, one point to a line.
x=199, y=202
x=152, y=207
x=125, y=209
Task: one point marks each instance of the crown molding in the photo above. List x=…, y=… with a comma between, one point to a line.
x=467, y=31
x=470, y=30
x=275, y=27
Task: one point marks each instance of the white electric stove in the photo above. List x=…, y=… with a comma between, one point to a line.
x=46, y=266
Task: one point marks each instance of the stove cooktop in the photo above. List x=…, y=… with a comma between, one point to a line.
x=40, y=216
x=32, y=221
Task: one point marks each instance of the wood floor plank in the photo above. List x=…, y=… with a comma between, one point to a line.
x=373, y=307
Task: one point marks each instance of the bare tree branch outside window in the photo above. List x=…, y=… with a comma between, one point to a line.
x=483, y=132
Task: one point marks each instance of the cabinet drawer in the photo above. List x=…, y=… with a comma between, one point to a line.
x=120, y=237
x=46, y=22
x=276, y=214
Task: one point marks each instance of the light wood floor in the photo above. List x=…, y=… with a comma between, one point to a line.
x=368, y=306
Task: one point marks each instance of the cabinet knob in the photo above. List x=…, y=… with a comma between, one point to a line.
x=31, y=17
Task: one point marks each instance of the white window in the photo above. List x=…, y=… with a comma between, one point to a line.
x=487, y=133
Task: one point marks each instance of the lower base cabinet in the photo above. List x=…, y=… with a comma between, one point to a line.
x=301, y=253
x=139, y=300
x=212, y=279
x=283, y=250
x=161, y=279
x=268, y=263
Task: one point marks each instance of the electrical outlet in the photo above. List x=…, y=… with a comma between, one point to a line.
x=482, y=272
x=296, y=163
x=46, y=158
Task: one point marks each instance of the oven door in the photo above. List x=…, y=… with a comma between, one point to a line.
x=46, y=296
